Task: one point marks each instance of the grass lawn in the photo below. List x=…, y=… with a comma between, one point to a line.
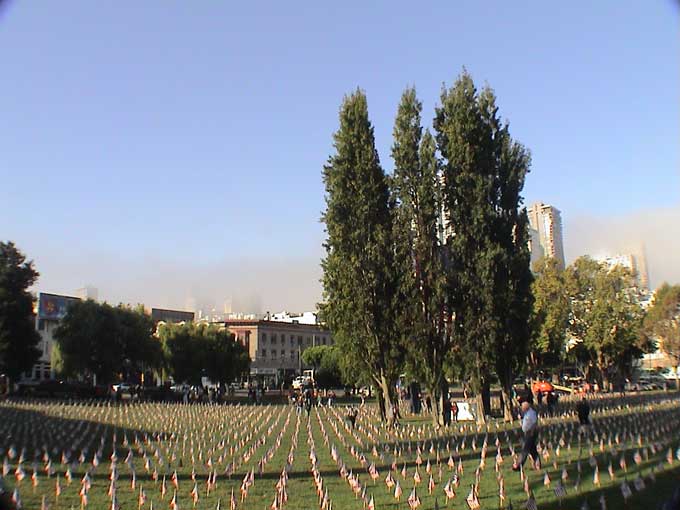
x=269, y=457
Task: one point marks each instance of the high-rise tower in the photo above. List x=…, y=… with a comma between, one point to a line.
x=546, y=221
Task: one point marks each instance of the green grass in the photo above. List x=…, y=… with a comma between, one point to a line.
x=173, y=437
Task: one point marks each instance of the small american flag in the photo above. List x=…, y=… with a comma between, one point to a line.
x=559, y=490
x=531, y=503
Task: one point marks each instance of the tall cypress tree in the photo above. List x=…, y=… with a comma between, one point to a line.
x=489, y=279
x=464, y=142
x=514, y=298
x=360, y=278
x=423, y=321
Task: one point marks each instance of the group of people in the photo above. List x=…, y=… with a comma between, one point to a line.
x=309, y=396
x=419, y=403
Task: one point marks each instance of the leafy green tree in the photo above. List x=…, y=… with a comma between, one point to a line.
x=312, y=356
x=326, y=362
x=488, y=273
x=90, y=341
x=106, y=341
x=550, y=315
x=18, y=337
x=194, y=350
x=662, y=322
x=360, y=281
x=135, y=330
x=227, y=359
x=182, y=352
x=425, y=314
x=605, y=318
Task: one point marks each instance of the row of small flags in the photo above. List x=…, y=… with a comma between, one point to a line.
x=372, y=469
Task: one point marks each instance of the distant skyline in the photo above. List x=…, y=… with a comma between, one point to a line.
x=165, y=150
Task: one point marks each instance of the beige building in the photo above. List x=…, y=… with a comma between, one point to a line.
x=276, y=347
x=546, y=221
x=635, y=263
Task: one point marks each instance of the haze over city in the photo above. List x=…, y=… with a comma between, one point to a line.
x=168, y=151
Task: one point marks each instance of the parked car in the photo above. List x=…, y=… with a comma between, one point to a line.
x=123, y=389
x=668, y=374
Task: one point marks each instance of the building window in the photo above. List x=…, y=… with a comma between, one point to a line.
x=264, y=353
x=273, y=338
x=300, y=340
x=309, y=341
x=273, y=354
x=283, y=354
x=292, y=355
x=264, y=338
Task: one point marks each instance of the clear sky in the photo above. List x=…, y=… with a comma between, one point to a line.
x=163, y=149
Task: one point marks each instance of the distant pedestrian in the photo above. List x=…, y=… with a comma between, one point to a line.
x=352, y=416
x=454, y=410
x=308, y=401
x=530, y=430
x=551, y=399
x=447, y=410
x=583, y=412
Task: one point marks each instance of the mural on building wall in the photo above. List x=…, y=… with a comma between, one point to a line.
x=53, y=306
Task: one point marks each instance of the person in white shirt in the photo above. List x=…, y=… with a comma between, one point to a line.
x=530, y=430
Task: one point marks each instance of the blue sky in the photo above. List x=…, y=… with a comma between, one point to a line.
x=164, y=149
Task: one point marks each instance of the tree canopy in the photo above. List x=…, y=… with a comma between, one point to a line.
x=605, y=318
x=550, y=317
x=18, y=336
x=359, y=279
x=192, y=351
x=107, y=341
x=325, y=359
x=424, y=316
x=662, y=323
x=488, y=277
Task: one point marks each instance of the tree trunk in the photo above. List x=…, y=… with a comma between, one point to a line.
x=479, y=401
x=677, y=377
x=384, y=386
x=486, y=397
x=533, y=364
x=506, y=393
x=381, y=405
x=437, y=411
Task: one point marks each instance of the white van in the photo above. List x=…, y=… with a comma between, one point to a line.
x=300, y=382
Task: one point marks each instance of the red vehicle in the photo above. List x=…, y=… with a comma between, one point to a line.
x=542, y=386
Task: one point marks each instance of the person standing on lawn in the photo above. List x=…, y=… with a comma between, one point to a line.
x=530, y=430
x=583, y=412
